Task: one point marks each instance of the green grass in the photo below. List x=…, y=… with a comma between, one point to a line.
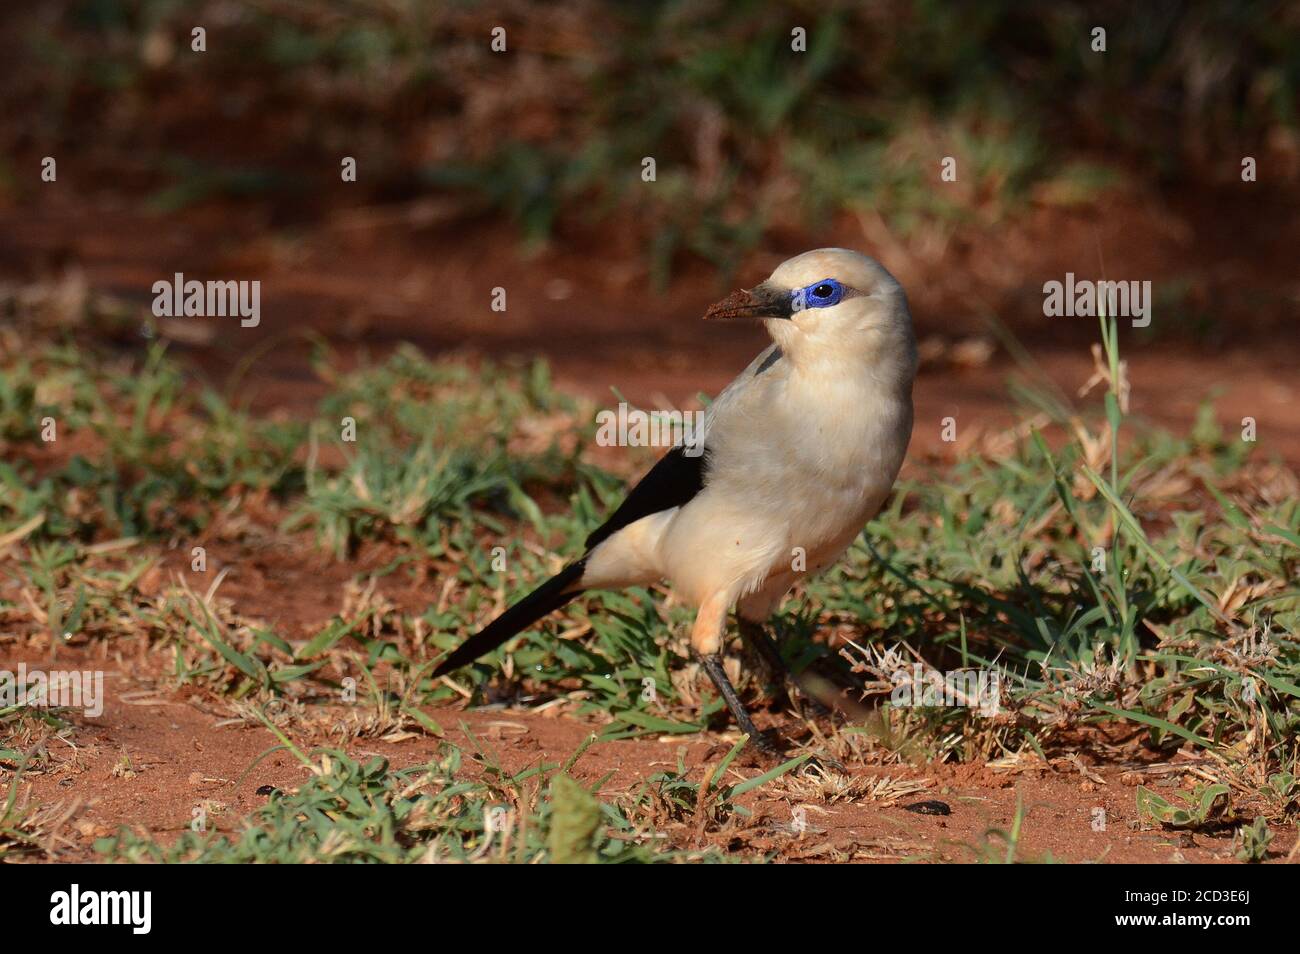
x=750, y=137
x=411, y=474
x=1114, y=574
x=997, y=563
x=353, y=811
x=991, y=559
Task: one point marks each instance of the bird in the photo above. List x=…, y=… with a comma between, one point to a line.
x=795, y=456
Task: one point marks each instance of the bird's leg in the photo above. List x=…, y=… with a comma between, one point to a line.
x=706, y=641
x=756, y=635
x=810, y=687
x=713, y=666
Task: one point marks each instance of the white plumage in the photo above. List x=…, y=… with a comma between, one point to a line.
x=800, y=451
x=799, y=456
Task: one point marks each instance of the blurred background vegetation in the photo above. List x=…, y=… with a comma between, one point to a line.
x=750, y=138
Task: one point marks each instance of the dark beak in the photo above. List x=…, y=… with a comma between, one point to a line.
x=761, y=301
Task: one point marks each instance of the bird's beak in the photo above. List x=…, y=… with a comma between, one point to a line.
x=760, y=302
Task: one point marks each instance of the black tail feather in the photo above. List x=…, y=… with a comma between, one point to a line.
x=546, y=599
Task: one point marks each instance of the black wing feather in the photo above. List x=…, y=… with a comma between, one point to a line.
x=542, y=601
x=671, y=483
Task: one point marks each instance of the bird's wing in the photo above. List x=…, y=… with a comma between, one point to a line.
x=679, y=475
x=672, y=482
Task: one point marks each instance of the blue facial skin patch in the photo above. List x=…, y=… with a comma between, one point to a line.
x=820, y=294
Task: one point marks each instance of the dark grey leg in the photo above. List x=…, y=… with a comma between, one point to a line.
x=713, y=666
x=756, y=635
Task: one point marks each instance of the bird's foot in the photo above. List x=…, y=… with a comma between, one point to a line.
x=767, y=745
x=821, y=765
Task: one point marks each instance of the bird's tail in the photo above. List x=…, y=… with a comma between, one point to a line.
x=547, y=598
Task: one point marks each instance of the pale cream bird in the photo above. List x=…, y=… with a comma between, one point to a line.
x=798, y=453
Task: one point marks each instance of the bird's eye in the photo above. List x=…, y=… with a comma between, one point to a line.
x=822, y=294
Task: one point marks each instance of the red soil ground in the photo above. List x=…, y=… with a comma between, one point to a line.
x=371, y=278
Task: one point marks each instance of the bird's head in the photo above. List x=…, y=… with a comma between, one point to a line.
x=830, y=305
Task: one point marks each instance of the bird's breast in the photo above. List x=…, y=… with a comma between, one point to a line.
x=819, y=458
